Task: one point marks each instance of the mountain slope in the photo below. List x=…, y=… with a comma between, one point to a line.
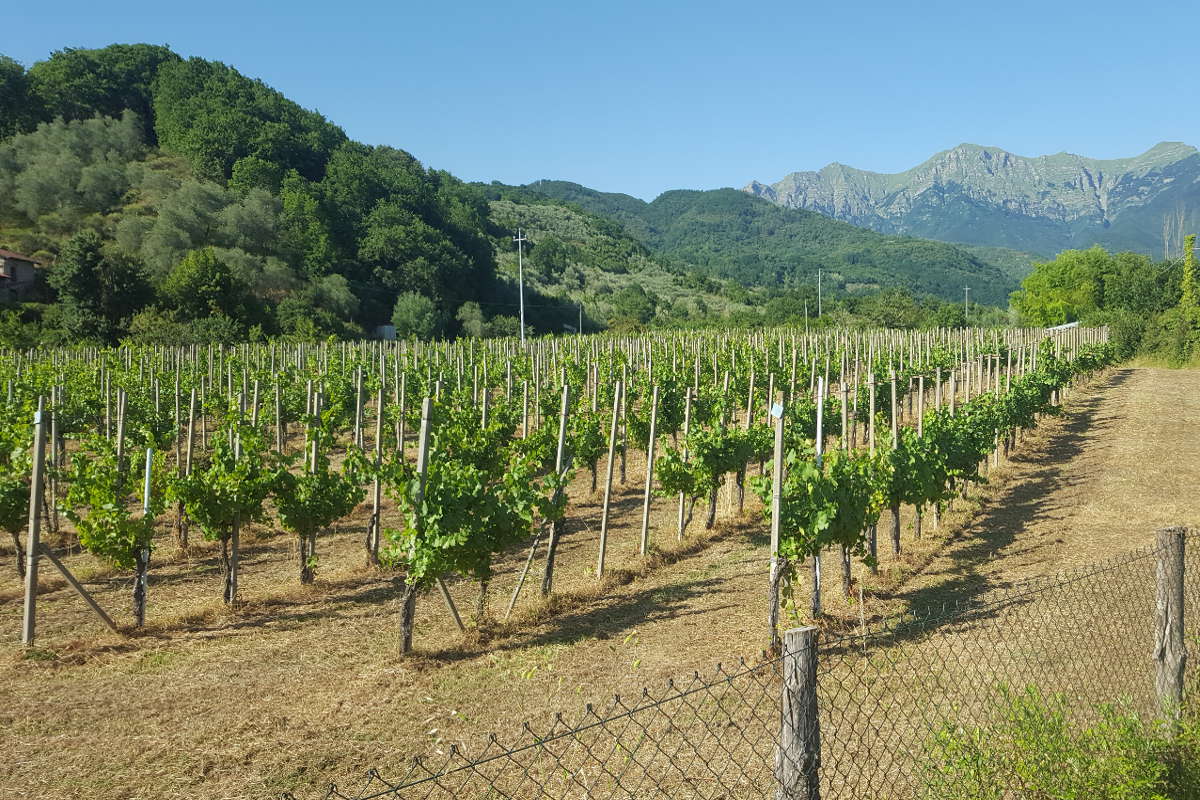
x=988, y=196
x=573, y=257
x=733, y=235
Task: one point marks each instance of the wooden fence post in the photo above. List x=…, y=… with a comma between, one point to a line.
x=798, y=757
x=1170, y=652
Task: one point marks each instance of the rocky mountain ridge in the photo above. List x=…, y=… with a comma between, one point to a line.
x=989, y=196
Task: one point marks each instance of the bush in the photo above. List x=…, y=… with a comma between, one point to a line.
x=1037, y=750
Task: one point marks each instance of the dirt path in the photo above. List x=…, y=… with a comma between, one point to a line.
x=1098, y=481
x=303, y=686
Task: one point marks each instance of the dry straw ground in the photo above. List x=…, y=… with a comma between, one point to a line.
x=300, y=686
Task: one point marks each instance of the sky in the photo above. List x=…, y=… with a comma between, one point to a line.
x=643, y=97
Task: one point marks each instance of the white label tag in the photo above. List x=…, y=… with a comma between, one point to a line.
x=777, y=410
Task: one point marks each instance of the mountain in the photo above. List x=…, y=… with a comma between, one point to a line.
x=988, y=196
x=576, y=258
x=733, y=235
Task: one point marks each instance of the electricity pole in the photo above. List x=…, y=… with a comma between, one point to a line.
x=520, y=240
x=818, y=294
x=966, y=303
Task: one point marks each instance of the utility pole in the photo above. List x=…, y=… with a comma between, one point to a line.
x=520, y=240
x=818, y=294
x=966, y=303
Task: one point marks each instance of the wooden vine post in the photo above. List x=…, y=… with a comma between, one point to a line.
x=33, y=542
x=777, y=563
x=608, y=478
x=645, y=539
x=561, y=466
x=819, y=458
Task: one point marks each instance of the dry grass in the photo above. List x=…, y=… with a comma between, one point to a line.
x=300, y=685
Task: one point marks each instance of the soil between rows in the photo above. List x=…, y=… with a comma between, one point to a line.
x=301, y=685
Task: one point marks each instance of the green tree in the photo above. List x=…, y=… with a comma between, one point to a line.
x=1063, y=290
x=415, y=315
x=1188, y=300
x=214, y=116
x=634, y=304
x=202, y=285
x=99, y=288
x=470, y=316
x=78, y=84
x=18, y=113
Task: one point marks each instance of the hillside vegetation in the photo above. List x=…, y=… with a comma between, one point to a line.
x=177, y=200
x=733, y=235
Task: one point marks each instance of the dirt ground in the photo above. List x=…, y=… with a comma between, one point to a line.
x=301, y=685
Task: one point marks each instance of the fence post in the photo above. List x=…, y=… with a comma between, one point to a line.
x=1170, y=653
x=798, y=758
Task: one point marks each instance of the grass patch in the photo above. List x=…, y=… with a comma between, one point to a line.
x=1037, y=749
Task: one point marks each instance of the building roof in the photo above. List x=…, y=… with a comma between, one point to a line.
x=18, y=256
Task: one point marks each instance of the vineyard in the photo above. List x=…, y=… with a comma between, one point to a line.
x=467, y=490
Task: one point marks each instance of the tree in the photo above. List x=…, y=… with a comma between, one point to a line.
x=415, y=315
x=202, y=285
x=1188, y=300
x=78, y=84
x=69, y=168
x=214, y=116
x=470, y=316
x=100, y=288
x=635, y=304
x=18, y=113
x=1065, y=289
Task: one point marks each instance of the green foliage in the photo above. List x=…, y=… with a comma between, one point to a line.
x=480, y=494
x=311, y=500
x=203, y=285
x=232, y=487
x=103, y=504
x=1037, y=749
x=69, y=169
x=214, y=116
x=1144, y=303
x=18, y=110
x=416, y=316
x=1188, y=300
x=77, y=84
x=634, y=305
x=98, y=287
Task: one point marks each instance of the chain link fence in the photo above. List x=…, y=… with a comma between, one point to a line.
x=846, y=717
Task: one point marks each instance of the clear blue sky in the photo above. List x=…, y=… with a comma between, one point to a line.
x=645, y=97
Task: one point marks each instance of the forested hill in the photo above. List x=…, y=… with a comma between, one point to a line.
x=177, y=200
x=733, y=235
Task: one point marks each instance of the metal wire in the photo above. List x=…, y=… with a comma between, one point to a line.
x=883, y=695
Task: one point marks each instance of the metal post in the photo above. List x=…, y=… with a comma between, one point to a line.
x=520, y=240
